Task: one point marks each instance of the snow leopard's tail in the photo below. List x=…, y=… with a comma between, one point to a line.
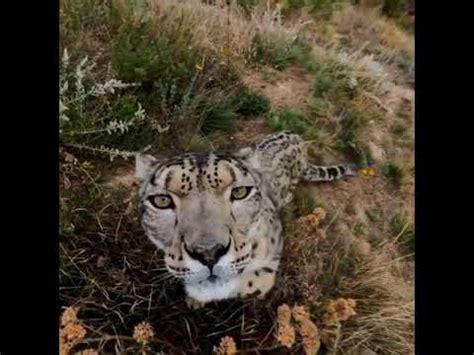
x=328, y=173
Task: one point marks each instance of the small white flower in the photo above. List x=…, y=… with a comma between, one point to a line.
x=109, y=87
x=62, y=108
x=64, y=88
x=65, y=58
x=161, y=129
x=352, y=82
x=140, y=113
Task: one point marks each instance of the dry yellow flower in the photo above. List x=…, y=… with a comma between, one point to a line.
x=351, y=302
x=69, y=336
x=321, y=233
x=143, y=333
x=367, y=171
x=310, y=334
x=64, y=349
x=320, y=213
x=345, y=308
x=308, y=330
x=286, y=332
x=336, y=311
x=88, y=352
x=69, y=316
x=71, y=333
x=308, y=225
x=339, y=310
x=226, y=346
x=300, y=313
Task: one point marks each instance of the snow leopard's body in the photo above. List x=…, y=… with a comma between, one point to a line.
x=223, y=245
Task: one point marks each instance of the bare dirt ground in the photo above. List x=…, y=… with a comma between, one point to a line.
x=290, y=88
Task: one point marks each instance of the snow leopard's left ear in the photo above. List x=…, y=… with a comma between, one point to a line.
x=144, y=164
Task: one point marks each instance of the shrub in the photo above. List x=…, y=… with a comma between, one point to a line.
x=141, y=55
x=94, y=116
x=289, y=120
x=251, y=103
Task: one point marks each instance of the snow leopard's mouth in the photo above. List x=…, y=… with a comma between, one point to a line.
x=212, y=278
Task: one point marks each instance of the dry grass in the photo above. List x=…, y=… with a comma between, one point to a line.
x=385, y=306
x=225, y=31
x=364, y=26
x=113, y=274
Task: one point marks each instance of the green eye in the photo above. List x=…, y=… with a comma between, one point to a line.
x=240, y=193
x=161, y=201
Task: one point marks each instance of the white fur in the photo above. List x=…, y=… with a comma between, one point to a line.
x=143, y=165
x=212, y=291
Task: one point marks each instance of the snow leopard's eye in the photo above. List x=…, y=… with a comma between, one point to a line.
x=239, y=193
x=161, y=201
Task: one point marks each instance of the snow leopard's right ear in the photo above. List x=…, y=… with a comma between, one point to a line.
x=144, y=164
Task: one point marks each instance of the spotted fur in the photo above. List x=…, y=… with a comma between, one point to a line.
x=219, y=246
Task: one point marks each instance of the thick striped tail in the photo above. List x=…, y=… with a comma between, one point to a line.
x=328, y=173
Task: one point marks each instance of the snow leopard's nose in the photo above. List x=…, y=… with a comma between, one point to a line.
x=208, y=256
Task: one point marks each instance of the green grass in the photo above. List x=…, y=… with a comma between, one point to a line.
x=292, y=121
x=247, y=5
x=175, y=86
x=392, y=8
x=140, y=54
x=396, y=173
x=217, y=114
x=340, y=106
x=304, y=202
x=374, y=214
x=400, y=227
x=319, y=8
x=279, y=54
x=79, y=17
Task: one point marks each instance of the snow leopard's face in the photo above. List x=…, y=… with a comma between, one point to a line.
x=200, y=210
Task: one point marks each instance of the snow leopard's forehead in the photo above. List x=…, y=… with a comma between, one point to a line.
x=196, y=172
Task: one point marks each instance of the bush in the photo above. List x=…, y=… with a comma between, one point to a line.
x=141, y=55
x=393, y=8
x=217, y=114
x=404, y=231
x=251, y=103
x=321, y=7
x=98, y=116
x=397, y=173
x=247, y=5
x=279, y=54
x=295, y=122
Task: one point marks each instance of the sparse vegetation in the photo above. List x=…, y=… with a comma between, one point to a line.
x=252, y=103
x=167, y=77
x=289, y=120
x=403, y=230
x=396, y=173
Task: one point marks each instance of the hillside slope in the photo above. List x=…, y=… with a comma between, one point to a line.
x=171, y=76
